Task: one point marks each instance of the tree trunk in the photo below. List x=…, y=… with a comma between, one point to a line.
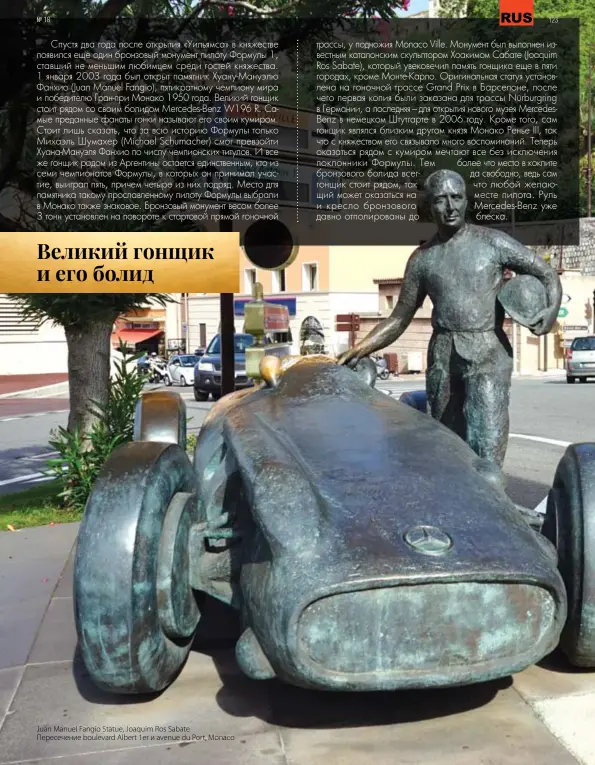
x=89, y=362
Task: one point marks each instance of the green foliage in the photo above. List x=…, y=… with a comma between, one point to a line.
x=37, y=506
x=81, y=459
x=191, y=440
x=453, y=9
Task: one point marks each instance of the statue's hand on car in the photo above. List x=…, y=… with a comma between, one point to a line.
x=350, y=357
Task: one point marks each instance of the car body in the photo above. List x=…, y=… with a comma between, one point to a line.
x=207, y=373
x=180, y=369
x=365, y=546
x=364, y=473
x=580, y=362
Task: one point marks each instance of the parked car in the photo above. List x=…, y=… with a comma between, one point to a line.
x=181, y=370
x=207, y=374
x=581, y=359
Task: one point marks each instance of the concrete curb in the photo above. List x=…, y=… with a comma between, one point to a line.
x=46, y=391
x=540, y=375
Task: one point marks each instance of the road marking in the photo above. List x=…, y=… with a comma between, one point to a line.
x=21, y=478
x=541, y=440
x=44, y=455
x=34, y=414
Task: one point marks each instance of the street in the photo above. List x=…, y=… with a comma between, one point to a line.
x=546, y=415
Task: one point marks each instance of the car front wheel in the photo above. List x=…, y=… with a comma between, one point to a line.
x=135, y=610
x=570, y=379
x=200, y=395
x=183, y=381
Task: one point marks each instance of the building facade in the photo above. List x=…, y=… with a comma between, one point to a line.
x=322, y=282
x=142, y=329
x=28, y=347
x=31, y=348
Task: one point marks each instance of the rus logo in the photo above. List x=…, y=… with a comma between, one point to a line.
x=517, y=13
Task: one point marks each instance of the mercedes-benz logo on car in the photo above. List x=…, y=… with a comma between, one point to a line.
x=428, y=540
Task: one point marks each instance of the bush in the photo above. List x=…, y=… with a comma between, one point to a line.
x=191, y=439
x=81, y=459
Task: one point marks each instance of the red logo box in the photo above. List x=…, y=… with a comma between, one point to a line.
x=516, y=13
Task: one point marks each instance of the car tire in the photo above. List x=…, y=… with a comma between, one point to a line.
x=217, y=475
x=135, y=611
x=583, y=379
x=216, y=396
x=570, y=380
x=168, y=381
x=200, y=395
x=183, y=381
x=570, y=525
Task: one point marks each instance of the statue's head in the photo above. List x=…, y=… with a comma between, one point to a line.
x=447, y=196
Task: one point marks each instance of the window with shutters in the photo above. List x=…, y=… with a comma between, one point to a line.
x=12, y=321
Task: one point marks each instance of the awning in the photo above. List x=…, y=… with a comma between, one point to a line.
x=134, y=336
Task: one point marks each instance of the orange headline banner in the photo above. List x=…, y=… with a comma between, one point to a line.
x=119, y=262
x=517, y=13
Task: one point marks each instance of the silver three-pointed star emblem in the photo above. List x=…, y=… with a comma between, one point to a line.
x=429, y=540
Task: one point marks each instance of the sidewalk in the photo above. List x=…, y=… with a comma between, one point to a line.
x=516, y=375
x=28, y=385
x=538, y=718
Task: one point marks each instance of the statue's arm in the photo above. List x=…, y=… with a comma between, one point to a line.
x=411, y=297
x=522, y=260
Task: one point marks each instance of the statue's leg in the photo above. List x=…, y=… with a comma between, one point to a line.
x=444, y=387
x=486, y=407
x=437, y=378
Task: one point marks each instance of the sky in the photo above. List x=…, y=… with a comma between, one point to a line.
x=415, y=6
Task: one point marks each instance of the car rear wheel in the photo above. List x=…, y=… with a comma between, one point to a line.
x=200, y=395
x=570, y=524
x=570, y=379
x=583, y=379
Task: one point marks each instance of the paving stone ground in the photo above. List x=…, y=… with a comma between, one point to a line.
x=542, y=717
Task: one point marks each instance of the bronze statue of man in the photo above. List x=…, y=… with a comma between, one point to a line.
x=470, y=363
